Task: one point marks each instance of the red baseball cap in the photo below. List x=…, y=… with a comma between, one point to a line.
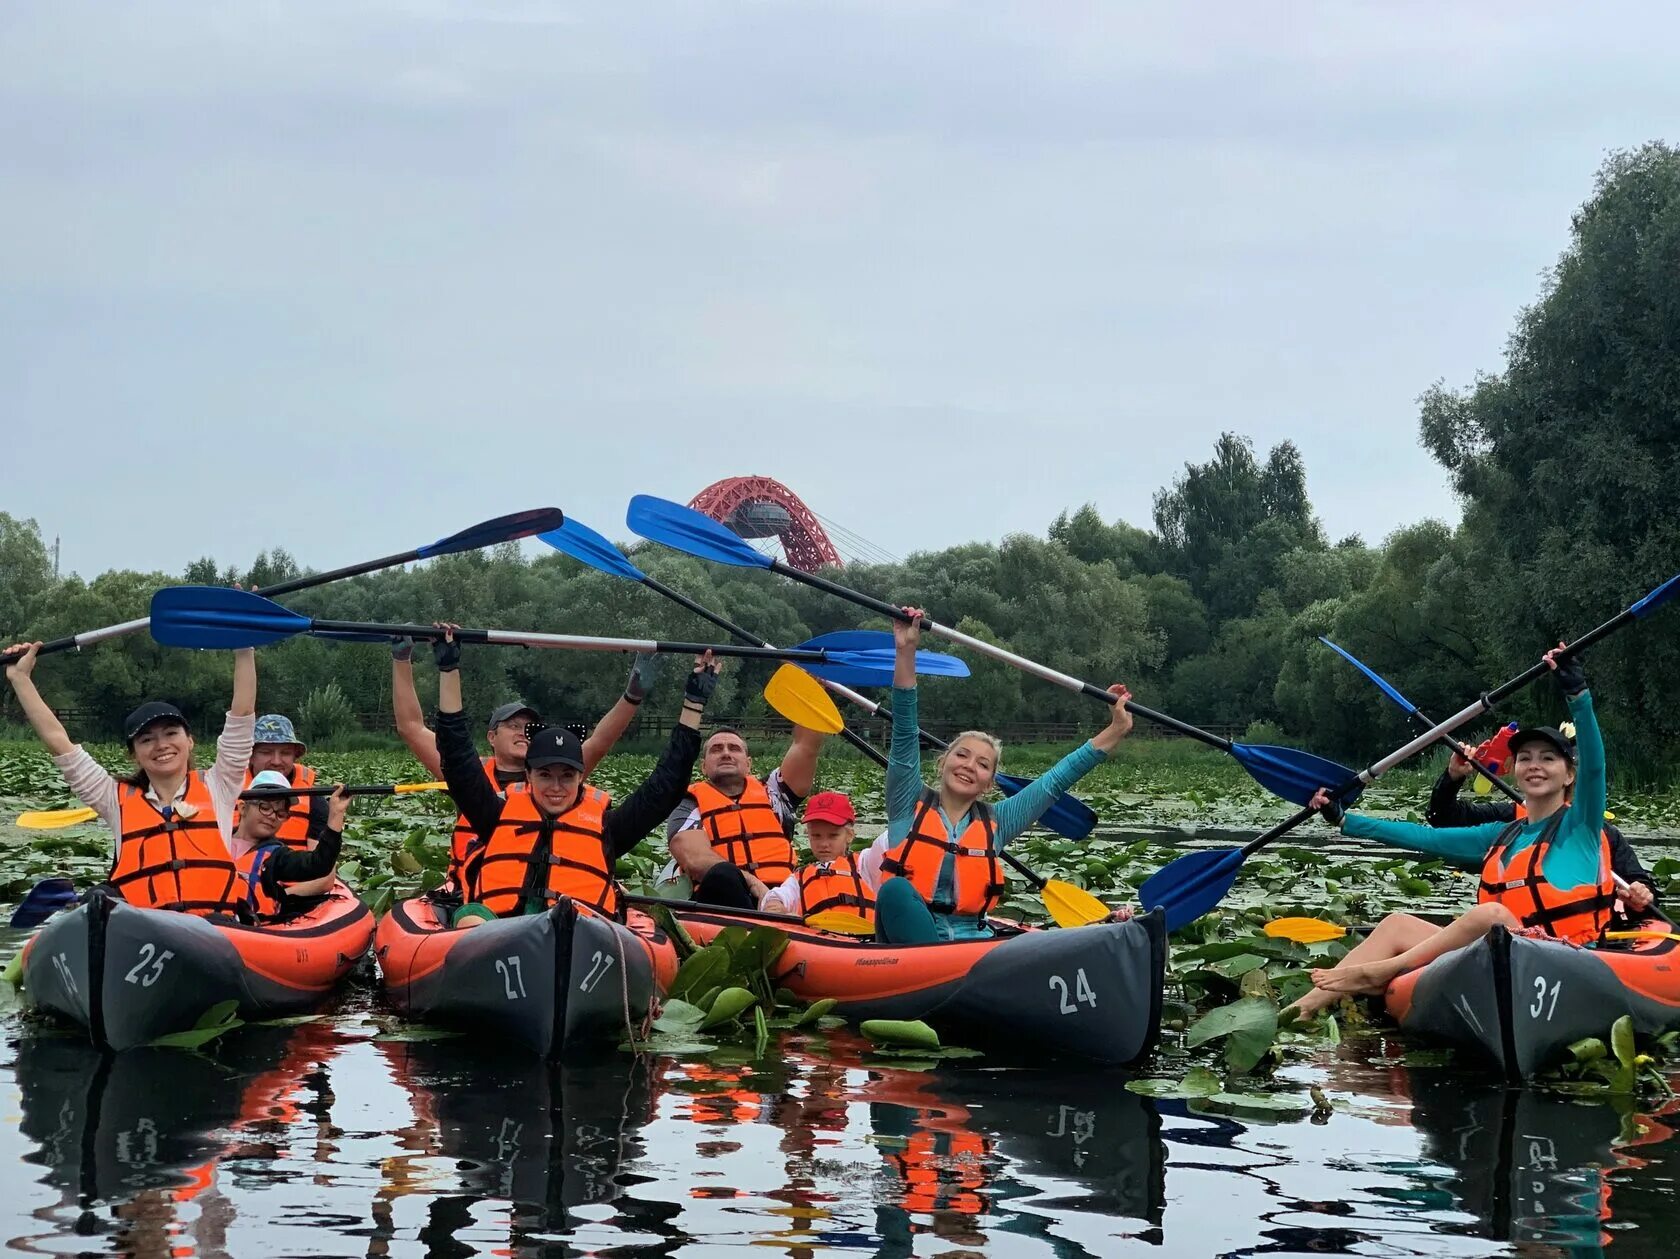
x=830, y=806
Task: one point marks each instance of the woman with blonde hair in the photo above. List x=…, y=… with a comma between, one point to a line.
x=939, y=864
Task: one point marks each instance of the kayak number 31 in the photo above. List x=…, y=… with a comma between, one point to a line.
x=1081, y=991
x=1544, y=1000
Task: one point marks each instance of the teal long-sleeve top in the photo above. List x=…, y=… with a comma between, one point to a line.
x=1010, y=817
x=1574, y=855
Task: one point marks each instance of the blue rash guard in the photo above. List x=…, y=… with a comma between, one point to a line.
x=1010, y=817
x=1573, y=858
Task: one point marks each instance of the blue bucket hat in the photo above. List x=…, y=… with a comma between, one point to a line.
x=273, y=728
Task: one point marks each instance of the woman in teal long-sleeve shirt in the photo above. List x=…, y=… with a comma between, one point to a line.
x=906, y=911
x=1563, y=790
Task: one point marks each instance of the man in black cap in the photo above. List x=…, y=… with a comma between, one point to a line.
x=1446, y=809
x=558, y=836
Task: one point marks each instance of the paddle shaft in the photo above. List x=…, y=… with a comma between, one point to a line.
x=387, y=789
x=75, y=642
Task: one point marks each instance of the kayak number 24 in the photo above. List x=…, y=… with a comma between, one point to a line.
x=1081, y=991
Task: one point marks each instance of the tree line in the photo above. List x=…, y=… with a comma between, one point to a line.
x=1565, y=462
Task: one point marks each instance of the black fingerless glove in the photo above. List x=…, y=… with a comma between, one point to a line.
x=1570, y=675
x=700, y=686
x=402, y=650
x=447, y=654
x=1333, y=813
x=641, y=677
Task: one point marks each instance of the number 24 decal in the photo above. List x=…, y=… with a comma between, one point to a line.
x=1081, y=991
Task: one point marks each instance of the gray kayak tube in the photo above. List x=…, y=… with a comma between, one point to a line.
x=557, y=984
x=129, y=975
x=1519, y=1002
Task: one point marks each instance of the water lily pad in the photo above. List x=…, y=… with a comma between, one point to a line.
x=1248, y=1028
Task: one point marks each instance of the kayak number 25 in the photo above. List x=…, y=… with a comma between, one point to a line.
x=1081, y=991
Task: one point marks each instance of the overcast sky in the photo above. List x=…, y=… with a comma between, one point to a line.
x=343, y=277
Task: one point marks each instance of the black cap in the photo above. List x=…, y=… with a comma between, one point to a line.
x=510, y=710
x=554, y=745
x=1544, y=734
x=149, y=714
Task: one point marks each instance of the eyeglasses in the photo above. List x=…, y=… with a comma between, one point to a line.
x=281, y=804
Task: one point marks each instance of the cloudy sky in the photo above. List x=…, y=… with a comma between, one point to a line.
x=342, y=277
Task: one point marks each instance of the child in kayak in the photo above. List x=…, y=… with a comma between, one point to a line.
x=1548, y=872
x=834, y=879
x=274, y=870
x=939, y=856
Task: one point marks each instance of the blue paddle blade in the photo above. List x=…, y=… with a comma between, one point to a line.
x=855, y=668
x=873, y=643
x=1291, y=774
x=686, y=530
x=852, y=640
x=586, y=546
x=1371, y=673
x=1070, y=817
x=44, y=900
x=1661, y=595
x=1187, y=888
x=520, y=524
x=220, y=617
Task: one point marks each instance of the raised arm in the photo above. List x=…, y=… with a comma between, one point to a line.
x=1024, y=808
x=610, y=729
x=48, y=728
x=405, y=707
x=663, y=789
x=1465, y=846
x=244, y=702
x=799, y=765
x=477, y=800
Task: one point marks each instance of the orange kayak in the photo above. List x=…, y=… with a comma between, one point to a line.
x=1521, y=1002
x=1085, y=992
x=555, y=983
x=129, y=975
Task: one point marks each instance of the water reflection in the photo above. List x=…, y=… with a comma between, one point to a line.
x=326, y=1139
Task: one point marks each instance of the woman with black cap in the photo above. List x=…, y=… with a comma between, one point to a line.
x=1549, y=871
x=173, y=823
x=559, y=836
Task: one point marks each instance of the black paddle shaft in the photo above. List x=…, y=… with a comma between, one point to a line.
x=277, y=793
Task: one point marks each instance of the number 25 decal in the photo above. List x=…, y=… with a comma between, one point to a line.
x=149, y=969
x=1082, y=991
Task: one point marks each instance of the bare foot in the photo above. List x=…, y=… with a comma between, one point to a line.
x=1309, y=1007
x=1363, y=977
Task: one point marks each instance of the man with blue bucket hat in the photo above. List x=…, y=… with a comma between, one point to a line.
x=277, y=749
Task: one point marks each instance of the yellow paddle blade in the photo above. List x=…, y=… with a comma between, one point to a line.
x=800, y=698
x=51, y=820
x=1483, y=786
x=1641, y=935
x=1305, y=930
x=841, y=921
x=404, y=788
x=1072, y=906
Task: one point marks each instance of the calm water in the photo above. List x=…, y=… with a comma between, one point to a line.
x=323, y=1140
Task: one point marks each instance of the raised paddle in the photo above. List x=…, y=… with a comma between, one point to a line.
x=1286, y=772
x=1489, y=773
x=1187, y=888
x=787, y=693
x=520, y=524
x=58, y=819
x=220, y=617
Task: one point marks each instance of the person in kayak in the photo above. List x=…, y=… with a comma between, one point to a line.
x=732, y=834
x=507, y=735
x=834, y=878
x=172, y=823
x=1446, y=809
x=939, y=855
x=276, y=747
x=276, y=874
x=555, y=835
x=1548, y=872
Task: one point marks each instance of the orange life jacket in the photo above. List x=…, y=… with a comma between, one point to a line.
x=835, y=885
x=1578, y=914
x=250, y=875
x=464, y=836
x=294, y=831
x=174, y=863
x=977, y=878
x=944, y=1171
x=572, y=845
x=746, y=831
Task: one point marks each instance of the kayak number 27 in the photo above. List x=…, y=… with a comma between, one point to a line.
x=1081, y=991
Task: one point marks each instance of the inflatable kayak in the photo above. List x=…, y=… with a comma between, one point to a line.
x=1521, y=1002
x=555, y=983
x=1083, y=992
x=130, y=975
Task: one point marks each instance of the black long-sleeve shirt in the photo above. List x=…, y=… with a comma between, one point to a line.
x=624, y=825
x=1446, y=808
x=299, y=865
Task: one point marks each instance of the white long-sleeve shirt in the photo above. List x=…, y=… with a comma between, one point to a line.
x=785, y=897
x=94, y=786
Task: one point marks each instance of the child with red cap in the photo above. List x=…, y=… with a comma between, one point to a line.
x=835, y=879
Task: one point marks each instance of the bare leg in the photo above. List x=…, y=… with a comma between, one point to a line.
x=1392, y=936
x=1376, y=973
